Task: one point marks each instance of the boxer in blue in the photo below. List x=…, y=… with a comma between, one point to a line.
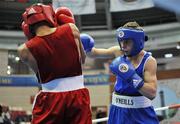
x=135, y=71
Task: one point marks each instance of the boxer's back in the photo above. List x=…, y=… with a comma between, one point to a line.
x=56, y=54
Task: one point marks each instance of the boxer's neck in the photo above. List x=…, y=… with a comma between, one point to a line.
x=136, y=59
x=44, y=30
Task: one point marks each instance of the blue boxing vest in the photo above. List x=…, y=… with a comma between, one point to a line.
x=124, y=88
x=120, y=115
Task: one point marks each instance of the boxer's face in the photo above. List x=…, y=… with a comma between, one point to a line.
x=126, y=46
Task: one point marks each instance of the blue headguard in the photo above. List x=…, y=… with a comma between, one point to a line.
x=136, y=35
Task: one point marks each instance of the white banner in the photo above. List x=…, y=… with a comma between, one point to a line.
x=78, y=7
x=128, y=5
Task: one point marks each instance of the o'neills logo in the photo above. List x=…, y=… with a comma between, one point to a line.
x=123, y=67
x=124, y=101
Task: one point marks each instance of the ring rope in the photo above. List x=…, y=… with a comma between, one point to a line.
x=175, y=106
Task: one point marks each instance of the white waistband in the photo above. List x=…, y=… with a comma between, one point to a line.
x=64, y=84
x=131, y=101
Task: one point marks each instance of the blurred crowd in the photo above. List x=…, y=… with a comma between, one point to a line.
x=13, y=116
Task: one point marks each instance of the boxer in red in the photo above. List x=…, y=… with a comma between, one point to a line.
x=55, y=53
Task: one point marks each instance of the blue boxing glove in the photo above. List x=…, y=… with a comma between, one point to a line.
x=87, y=41
x=123, y=68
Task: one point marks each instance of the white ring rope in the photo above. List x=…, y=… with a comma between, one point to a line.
x=175, y=106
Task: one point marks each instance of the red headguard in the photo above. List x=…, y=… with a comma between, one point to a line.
x=39, y=12
x=26, y=30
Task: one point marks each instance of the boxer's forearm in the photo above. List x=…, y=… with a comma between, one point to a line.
x=100, y=53
x=83, y=54
x=148, y=90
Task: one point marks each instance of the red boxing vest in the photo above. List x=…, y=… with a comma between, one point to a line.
x=56, y=54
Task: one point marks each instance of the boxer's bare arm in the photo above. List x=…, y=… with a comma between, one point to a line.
x=150, y=80
x=111, y=52
x=26, y=56
x=76, y=33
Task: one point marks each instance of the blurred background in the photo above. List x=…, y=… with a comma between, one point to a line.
x=100, y=19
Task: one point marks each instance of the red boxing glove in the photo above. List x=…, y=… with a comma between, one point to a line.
x=25, y=28
x=64, y=15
